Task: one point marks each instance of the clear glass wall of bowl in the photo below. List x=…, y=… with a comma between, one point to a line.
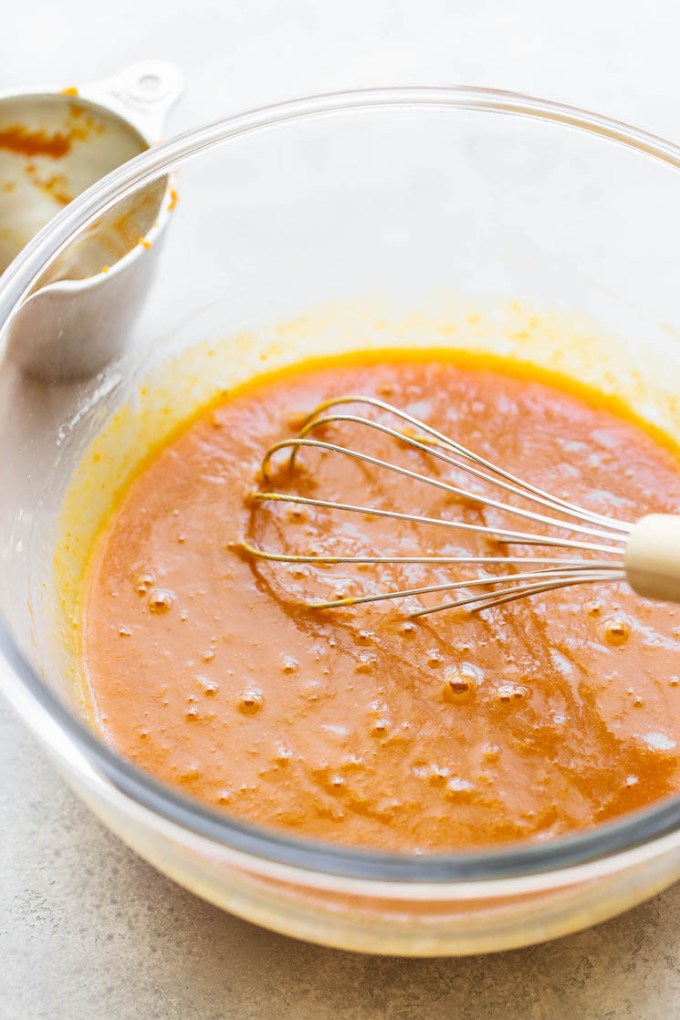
x=377, y=200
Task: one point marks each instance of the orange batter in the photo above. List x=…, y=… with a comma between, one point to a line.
x=357, y=725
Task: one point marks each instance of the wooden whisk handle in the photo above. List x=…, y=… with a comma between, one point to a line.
x=652, y=557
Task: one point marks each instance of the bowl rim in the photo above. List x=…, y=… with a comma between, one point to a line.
x=631, y=831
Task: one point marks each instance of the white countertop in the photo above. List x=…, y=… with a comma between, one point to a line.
x=87, y=930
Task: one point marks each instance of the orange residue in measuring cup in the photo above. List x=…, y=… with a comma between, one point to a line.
x=56, y=185
x=16, y=138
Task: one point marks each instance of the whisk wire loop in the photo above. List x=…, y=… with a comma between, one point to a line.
x=540, y=494
x=295, y=444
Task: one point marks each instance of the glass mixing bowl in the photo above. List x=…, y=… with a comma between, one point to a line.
x=287, y=217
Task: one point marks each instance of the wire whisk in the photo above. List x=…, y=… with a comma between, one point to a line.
x=598, y=548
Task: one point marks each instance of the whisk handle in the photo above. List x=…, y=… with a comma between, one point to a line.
x=652, y=557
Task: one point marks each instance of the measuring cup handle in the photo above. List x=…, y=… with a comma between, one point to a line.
x=143, y=94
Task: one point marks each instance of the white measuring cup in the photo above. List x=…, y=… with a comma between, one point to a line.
x=53, y=145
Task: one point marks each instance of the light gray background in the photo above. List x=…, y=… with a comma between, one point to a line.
x=87, y=930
